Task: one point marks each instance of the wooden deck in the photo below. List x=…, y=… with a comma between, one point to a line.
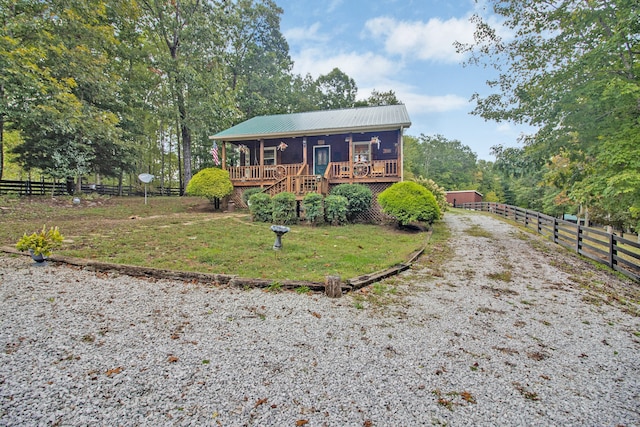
x=295, y=178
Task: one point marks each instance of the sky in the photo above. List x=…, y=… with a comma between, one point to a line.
x=405, y=46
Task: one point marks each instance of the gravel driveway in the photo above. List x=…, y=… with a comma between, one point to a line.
x=507, y=330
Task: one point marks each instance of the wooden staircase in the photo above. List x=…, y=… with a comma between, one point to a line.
x=300, y=185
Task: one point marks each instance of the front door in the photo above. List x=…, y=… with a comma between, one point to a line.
x=321, y=158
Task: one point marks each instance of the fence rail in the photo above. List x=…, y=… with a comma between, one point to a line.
x=618, y=253
x=42, y=188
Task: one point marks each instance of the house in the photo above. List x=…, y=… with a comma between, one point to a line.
x=315, y=151
x=456, y=198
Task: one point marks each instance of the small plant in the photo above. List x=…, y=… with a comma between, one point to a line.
x=246, y=195
x=358, y=196
x=284, y=208
x=42, y=242
x=335, y=209
x=274, y=287
x=303, y=289
x=313, y=209
x=261, y=207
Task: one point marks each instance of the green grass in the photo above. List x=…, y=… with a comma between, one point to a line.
x=185, y=234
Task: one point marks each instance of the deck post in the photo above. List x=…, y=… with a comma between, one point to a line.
x=332, y=286
x=261, y=173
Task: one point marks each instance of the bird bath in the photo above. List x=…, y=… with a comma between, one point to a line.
x=279, y=230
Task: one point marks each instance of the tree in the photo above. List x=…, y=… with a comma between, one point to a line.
x=379, y=98
x=585, y=100
x=338, y=90
x=447, y=162
x=257, y=57
x=212, y=183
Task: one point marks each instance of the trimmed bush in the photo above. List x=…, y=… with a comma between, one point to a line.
x=359, y=198
x=437, y=191
x=212, y=183
x=261, y=207
x=248, y=193
x=409, y=202
x=335, y=209
x=313, y=209
x=284, y=208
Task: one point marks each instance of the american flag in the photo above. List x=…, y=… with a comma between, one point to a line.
x=214, y=153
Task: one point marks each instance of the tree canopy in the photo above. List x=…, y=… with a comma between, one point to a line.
x=570, y=69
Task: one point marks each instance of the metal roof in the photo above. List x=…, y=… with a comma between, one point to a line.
x=324, y=122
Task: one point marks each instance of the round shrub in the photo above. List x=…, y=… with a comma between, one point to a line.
x=438, y=192
x=261, y=207
x=359, y=198
x=284, y=208
x=335, y=209
x=248, y=193
x=409, y=202
x=212, y=183
x=313, y=209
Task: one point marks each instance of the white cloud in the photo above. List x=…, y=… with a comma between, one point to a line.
x=418, y=104
x=365, y=68
x=304, y=35
x=431, y=40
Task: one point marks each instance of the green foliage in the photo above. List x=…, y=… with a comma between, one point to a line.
x=212, y=183
x=246, y=195
x=437, y=191
x=284, y=208
x=313, y=207
x=261, y=207
x=447, y=162
x=409, y=202
x=42, y=242
x=359, y=198
x=584, y=152
x=335, y=209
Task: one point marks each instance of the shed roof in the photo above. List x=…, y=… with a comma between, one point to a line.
x=364, y=119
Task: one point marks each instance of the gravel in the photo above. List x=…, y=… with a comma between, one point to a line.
x=449, y=342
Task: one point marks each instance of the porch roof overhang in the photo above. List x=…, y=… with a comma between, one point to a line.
x=327, y=122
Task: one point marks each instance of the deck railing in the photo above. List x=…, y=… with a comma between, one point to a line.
x=618, y=253
x=374, y=169
x=262, y=173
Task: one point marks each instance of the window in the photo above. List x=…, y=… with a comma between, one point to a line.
x=270, y=156
x=361, y=151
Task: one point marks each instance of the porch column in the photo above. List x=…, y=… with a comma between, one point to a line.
x=261, y=157
x=351, y=157
x=304, y=150
x=224, y=155
x=401, y=154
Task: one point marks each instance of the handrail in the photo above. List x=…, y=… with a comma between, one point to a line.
x=616, y=252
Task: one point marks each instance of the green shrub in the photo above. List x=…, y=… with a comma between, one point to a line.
x=409, y=202
x=358, y=195
x=248, y=193
x=261, y=207
x=335, y=209
x=313, y=209
x=438, y=192
x=284, y=208
x=212, y=183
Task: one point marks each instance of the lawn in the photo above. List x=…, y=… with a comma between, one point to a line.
x=186, y=234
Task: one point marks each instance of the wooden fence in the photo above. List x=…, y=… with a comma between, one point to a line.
x=43, y=188
x=618, y=253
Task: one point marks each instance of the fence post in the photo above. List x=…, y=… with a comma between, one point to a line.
x=555, y=230
x=578, y=237
x=612, y=251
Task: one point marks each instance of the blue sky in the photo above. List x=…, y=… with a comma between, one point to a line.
x=404, y=46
